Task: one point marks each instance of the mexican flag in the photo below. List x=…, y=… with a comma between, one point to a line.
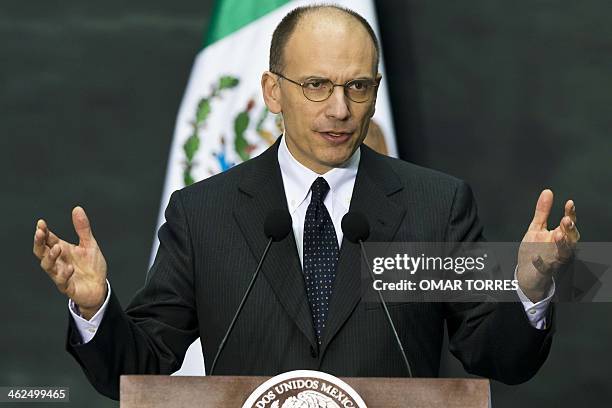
x=223, y=121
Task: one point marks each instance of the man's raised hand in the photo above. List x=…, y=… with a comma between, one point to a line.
x=543, y=251
x=78, y=271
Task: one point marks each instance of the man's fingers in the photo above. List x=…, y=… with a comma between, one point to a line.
x=44, y=239
x=82, y=226
x=565, y=248
x=570, y=210
x=569, y=228
x=40, y=247
x=49, y=260
x=52, y=239
x=566, y=225
x=542, y=211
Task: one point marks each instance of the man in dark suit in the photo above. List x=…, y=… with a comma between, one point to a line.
x=306, y=310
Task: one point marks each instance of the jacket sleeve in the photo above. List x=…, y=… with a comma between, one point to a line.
x=152, y=335
x=491, y=339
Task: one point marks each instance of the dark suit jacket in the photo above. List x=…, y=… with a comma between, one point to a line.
x=210, y=246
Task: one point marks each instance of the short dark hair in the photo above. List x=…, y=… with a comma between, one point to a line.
x=285, y=28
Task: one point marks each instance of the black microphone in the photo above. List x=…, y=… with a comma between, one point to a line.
x=276, y=227
x=356, y=229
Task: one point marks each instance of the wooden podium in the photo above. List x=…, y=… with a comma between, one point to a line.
x=157, y=391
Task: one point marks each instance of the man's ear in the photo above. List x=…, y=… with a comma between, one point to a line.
x=271, y=92
x=373, y=107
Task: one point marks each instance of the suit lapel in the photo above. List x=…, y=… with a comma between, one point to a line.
x=375, y=183
x=263, y=185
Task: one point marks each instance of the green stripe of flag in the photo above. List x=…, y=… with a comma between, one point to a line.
x=231, y=15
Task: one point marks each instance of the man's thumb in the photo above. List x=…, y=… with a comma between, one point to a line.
x=82, y=226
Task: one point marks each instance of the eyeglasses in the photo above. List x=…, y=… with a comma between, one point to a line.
x=319, y=89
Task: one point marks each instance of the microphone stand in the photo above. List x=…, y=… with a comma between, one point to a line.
x=384, y=305
x=242, y=302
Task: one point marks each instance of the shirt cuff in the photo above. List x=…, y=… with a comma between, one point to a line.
x=536, y=312
x=88, y=328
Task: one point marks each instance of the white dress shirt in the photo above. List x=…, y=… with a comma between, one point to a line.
x=297, y=180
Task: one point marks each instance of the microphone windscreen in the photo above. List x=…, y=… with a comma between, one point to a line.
x=355, y=226
x=277, y=224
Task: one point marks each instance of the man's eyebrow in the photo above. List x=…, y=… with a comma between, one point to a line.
x=306, y=78
x=358, y=78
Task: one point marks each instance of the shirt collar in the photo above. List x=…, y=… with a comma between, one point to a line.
x=298, y=178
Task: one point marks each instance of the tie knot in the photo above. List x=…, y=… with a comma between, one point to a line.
x=319, y=189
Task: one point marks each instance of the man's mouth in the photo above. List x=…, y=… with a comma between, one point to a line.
x=336, y=137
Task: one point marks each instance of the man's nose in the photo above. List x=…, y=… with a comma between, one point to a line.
x=337, y=104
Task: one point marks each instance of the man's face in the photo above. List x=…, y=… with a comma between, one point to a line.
x=323, y=135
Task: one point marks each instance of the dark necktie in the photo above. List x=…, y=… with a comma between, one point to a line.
x=320, y=255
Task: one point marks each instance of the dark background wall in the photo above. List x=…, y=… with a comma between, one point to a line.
x=511, y=96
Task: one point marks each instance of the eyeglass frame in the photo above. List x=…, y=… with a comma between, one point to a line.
x=373, y=83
